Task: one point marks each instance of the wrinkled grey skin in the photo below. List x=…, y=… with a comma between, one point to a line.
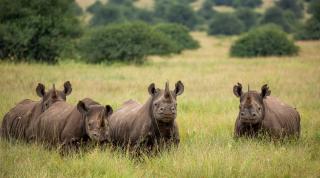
x=147, y=125
x=16, y=123
x=67, y=125
x=261, y=113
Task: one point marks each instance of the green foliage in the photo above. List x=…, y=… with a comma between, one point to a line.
x=295, y=6
x=175, y=11
x=129, y=42
x=314, y=9
x=224, y=2
x=248, y=16
x=118, y=12
x=107, y=14
x=247, y=3
x=206, y=11
x=311, y=29
x=35, y=29
x=264, y=41
x=95, y=7
x=284, y=19
x=225, y=24
x=178, y=34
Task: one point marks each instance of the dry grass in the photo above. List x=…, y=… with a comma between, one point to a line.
x=206, y=114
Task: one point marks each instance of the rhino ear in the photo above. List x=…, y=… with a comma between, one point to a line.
x=152, y=89
x=265, y=91
x=179, y=88
x=109, y=110
x=82, y=108
x=67, y=89
x=237, y=90
x=40, y=90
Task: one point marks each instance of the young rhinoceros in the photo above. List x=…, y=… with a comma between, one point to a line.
x=17, y=121
x=64, y=124
x=261, y=113
x=144, y=126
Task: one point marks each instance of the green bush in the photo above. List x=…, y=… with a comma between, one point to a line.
x=206, y=11
x=284, y=19
x=176, y=11
x=120, y=12
x=182, y=14
x=264, y=41
x=314, y=9
x=311, y=29
x=178, y=34
x=106, y=15
x=36, y=30
x=224, y=2
x=295, y=6
x=225, y=24
x=247, y=3
x=130, y=42
x=248, y=16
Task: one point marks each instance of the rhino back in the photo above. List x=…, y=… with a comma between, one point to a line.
x=51, y=123
x=17, y=120
x=128, y=123
x=280, y=118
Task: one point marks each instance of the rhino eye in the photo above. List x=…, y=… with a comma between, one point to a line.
x=156, y=104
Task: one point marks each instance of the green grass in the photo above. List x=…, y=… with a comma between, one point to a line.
x=206, y=114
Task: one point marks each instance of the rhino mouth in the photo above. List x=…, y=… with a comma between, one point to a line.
x=249, y=120
x=166, y=117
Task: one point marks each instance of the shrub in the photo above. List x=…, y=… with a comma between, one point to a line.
x=129, y=42
x=248, y=16
x=225, y=24
x=314, y=9
x=224, y=2
x=106, y=15
x=311, y=29
x=178, y=34
x=36, y=30
x=247, y=3
x=295, y=6
x=95, y=7
x=284, y=19
x=206, y=11
x=264, y=41
x=181, y=14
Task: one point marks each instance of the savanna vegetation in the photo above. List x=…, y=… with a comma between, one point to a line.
x=206, y=114
x=98, y=55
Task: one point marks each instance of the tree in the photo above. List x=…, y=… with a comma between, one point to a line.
x=311, y=29
x=295, y=6
x=182, y=14
x=283, y=19
x=35, y=29
x=248, y=16
x=264, y=41
x=206, y=11
x=128, y=42
x=225, y=24
x=247, y=3
x=107, y=14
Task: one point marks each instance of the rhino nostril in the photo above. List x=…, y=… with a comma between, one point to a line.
x=242, y=113
x=254, y=114
x=161, y=109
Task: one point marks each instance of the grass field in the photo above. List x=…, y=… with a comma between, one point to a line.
x=206, y=114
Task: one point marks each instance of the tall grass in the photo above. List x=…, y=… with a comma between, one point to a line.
x=206, y=114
